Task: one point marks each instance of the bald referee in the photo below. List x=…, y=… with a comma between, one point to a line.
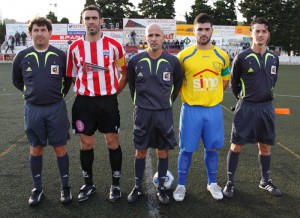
x=154, y=79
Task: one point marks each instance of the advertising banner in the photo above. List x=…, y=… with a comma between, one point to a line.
x=9, y=57
x=184, y=30
x=75, y=29
x=116, y=34
x=223, y=30
x=65, y=37
x=136, y=24
x=11, y=29
x=242, y=30
x=59, y=29
x=140, y=36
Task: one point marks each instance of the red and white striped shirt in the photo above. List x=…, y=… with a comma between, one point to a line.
x=106, y=52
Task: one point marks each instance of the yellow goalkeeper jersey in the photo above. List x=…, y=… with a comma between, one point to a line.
x=204, y=72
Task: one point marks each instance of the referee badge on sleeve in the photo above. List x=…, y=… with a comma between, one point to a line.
x=166, y=76
x=54, y=69
x=273, y=70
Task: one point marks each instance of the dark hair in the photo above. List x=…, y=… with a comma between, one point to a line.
x=91, y=8
x=40, y=21
x=203, y=18
x=259, y=20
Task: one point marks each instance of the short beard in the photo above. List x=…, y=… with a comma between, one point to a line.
x=205, y=42
x=94, y=32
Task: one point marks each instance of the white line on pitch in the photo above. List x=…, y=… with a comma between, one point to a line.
x=291, y=96
x=6, y=94
x=152, y=202
x=279, y=95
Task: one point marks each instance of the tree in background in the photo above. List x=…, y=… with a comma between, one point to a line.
x=283, y=16
x=2, y=33
x=64, y=20
x=89, y=2
x=261, y=8
x=9, y=21
x=115, y=11
x=160, y=9
x=293, y=25
x=147, y=8
x=224, y=13
x=287, y=28
x=200, y=6
x=51, y=16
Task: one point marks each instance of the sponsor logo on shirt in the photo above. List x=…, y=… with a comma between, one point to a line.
x=79, y=125
x=250, y=70
x=106, y=52
x=207, y=83
x=28, y=69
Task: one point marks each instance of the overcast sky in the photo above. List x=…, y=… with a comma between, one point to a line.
x=24, y=10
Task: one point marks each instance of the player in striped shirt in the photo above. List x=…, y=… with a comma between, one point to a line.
x=95, y=62
x=206, y=75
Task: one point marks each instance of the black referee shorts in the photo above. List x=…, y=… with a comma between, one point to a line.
x=97, y=112
x=253, y=122
x=153, y=129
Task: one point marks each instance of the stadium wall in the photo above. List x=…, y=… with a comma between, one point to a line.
x=230, y=38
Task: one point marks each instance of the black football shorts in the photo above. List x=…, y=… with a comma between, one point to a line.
x=97, y=112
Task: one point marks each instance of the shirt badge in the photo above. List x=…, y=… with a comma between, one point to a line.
x=273, y=70
x=106, y=52
x=54, y=69
x=166, y=76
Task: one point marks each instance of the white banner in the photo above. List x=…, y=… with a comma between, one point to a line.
x=140, y=36
x=223, y=30
x=59, y=29
x=137, y=24
x=116, y=34
x=11, y=29
x=76, y=29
